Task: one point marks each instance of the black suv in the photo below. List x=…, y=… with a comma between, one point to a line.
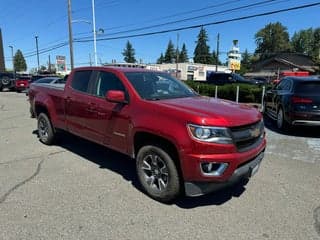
x=221, y=78
x=6, y=80
x=294, y=101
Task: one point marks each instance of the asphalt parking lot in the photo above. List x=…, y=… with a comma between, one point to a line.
x=79, y=190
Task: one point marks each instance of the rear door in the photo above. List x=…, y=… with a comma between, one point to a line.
x=78, y=96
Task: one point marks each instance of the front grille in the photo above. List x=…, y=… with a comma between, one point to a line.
x=249, y=136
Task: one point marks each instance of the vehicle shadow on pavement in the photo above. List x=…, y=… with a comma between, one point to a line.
x=295, y=131
x=125, y=166
x=216, y=198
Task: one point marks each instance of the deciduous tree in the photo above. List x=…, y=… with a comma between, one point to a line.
x=272, y=39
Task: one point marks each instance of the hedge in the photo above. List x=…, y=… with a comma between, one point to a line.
x=247, y=93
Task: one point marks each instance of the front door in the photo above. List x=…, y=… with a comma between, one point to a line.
x=109, y=123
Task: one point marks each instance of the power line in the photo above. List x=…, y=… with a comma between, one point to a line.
x=177, y=14
x=201, y=25
x=60, y=45
x=193, y=18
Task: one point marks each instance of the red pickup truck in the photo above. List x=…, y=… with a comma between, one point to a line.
x=182, y=142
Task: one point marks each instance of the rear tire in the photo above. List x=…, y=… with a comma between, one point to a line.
x=5, y=81
x=158, y=173
x=281, y=122
x=45, y=130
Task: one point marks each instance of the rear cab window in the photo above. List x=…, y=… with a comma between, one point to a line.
x=81, y=80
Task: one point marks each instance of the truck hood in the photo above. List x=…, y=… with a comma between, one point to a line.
x=211, y=111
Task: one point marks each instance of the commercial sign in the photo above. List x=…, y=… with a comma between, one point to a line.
x=234, y=64
x=61, y=63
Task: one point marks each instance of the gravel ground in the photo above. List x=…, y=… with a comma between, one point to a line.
x=79, y=190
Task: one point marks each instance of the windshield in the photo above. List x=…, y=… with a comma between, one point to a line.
x=157, y=85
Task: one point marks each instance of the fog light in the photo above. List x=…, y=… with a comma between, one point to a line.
x=213, y=168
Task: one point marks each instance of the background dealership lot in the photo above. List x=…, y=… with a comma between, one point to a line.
x=79, y=190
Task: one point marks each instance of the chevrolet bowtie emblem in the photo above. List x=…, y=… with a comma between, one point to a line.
x=255, y=132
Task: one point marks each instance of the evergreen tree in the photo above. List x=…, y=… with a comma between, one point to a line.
x=183, y=56
x=160, y=60
x=19, y=62
x=170, y=54
x=129, y=53
x=215, y=58
x=202, y=50
x=246, y=62
x=272, y=39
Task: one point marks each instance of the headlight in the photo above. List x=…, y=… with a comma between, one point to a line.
x=210, y=134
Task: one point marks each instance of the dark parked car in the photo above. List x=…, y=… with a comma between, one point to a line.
x=221, y=78
x=259, y=81
x=7, y=81
x=294, y=101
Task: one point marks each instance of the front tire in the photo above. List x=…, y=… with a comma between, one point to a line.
x=45, y=130
x=158, y=173
x=281, y=122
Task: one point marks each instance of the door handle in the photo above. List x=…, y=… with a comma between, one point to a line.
x=68, y=99
x=91, y=107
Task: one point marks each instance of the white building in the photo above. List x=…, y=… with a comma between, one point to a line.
x=183, y=71
x=188, y=71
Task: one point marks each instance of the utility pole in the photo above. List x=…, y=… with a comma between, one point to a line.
x=94, y=35
x=49, y=67
x=217, y=52
x=13, y=68
x=70, y=35
x=37, y=53
x=177, y=55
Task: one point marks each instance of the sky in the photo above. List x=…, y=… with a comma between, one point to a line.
x=119, y=20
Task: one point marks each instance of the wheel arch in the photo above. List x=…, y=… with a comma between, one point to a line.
x=145, y=138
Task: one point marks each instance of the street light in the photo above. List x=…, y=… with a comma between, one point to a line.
x=94, y=35
x=13, y=68
x=70, y=35
x=70, y=21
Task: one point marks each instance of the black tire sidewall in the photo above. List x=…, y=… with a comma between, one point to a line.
x=50, y=139
x=5, y=81
x=173, y=189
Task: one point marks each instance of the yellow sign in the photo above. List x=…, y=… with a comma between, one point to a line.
x=234, y=64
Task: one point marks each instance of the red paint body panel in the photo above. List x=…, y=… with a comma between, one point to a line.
x=115, y=126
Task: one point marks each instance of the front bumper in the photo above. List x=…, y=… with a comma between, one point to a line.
x=244, y=171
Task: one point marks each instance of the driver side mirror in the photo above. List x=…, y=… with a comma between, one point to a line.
x=116, y=96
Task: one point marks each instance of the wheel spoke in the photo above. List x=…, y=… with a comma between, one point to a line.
x=150, y=180
x=161, y=184
x=164, y=171
x=154, y=160
x=146, y=165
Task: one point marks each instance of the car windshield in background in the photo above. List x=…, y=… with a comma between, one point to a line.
x=312, y=87
x=156, y=86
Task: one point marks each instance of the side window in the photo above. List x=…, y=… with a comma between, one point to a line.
x=108, y=81
x=281, y=85
x=81, y=80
